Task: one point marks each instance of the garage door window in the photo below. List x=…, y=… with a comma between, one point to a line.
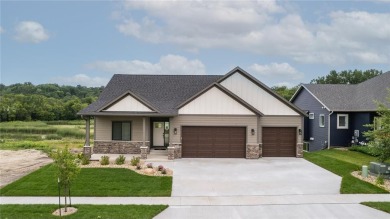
x=121, y=131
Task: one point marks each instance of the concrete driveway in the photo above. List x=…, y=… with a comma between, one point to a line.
x=241, y=177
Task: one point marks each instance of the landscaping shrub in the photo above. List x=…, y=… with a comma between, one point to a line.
x=160, y=167
x=105, y=160
x=138, y=166
x=149, y=165
x=164, y=171
x=83, y=159
x=372, y=151
x=120, y=160
x=380, y=180
x=134, y=161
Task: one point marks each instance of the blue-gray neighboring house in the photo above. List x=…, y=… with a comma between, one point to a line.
x=337, y=113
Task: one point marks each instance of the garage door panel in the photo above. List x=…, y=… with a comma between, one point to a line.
x=279, y=142
x=218, y=142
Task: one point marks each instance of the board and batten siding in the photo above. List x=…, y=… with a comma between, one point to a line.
x=103, y=127
x=214, y=102
x=281, y=121
x=256, y=96
x=250, y=122
x=128, y=103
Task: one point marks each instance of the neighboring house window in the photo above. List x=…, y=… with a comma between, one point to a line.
x=311, y=115
x=121, y=131
x=322, y=120
x=377, y=123
x=342, y=121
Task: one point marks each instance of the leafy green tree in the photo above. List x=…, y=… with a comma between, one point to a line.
x=380, y=136
x=346, y=77
x=67, y=170
x=284, y=91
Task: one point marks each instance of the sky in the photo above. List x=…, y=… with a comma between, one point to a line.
x=278, y=42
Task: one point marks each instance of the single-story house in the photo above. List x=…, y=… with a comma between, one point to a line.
x=338, y=113
x=194, y=116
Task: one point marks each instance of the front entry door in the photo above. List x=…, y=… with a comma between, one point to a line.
x=158, y=133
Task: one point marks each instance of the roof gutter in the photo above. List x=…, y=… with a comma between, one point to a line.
x=331, y=112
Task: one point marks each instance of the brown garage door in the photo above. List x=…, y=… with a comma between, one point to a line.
x=213, y=142
x=279, y=142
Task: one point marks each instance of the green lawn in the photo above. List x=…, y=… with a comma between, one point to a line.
x=83, y=211
x=383, y=206
x=343, y=163
x=91, y=182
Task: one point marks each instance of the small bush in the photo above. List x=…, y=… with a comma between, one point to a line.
x=134, y=161
x=149, y=165
x=120, y=160
x=105, y=160
x=138, y=166
x=53, y=137
x=380, y=180
x=85, y=161
x=164, y=171
x=160, y=167
x=372, y=151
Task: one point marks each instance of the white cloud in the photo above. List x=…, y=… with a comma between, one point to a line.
x=169, y=64
x=261, y=27
x=30, y=32
x=1, y=30
x=276, y=70
x=82, y=79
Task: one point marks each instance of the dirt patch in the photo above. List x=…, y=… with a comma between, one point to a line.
x=16, y=164
x=62, y=212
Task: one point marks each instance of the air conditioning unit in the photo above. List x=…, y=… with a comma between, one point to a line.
x=382, y=169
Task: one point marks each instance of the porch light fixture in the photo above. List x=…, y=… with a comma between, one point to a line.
x=299, y=131
x=175, y=131
x=253, y=131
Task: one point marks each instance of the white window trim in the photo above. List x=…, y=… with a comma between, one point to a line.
x=321, y=125
x=346, y=121
x=311, y=115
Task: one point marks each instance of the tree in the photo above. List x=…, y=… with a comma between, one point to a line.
x=380, y=136
x=284, y=91
x=67, y=170
x=346, y=77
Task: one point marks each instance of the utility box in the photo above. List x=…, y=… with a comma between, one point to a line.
x=382, y=169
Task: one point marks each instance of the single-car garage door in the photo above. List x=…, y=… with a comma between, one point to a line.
x=213, y=142
x=279, y=142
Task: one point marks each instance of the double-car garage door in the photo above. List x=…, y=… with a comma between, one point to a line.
x=230, y=142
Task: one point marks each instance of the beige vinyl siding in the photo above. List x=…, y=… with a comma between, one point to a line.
x=200, y=120
x=103, y=127
x=281, y=121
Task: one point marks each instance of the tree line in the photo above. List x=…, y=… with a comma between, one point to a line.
x=48, y=102
x=26, y=102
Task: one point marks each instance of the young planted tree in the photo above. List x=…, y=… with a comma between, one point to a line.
x=67, y=170
x=380, y=136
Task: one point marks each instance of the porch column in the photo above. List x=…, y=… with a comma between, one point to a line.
x=87, y=150
x=144, y=148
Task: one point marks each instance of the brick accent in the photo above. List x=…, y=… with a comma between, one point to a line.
x=299, y=150
x=177, y=152
x=260, y=150
x=144, y=152
x=87, y=151
x=118, y=147
x=171, y=153
x=252, y=151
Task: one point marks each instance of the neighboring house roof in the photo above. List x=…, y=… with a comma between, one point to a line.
x=165, y=94
x=350, y=97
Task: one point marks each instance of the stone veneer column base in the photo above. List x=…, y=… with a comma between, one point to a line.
x=299, y=150
x=171, y=153
x=252, y=151
x=260, y=150
x=177, y=152
x=144, y=152
x=87, y=151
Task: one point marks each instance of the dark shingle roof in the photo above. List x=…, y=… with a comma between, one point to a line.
x=352, y=97
x=162, y=92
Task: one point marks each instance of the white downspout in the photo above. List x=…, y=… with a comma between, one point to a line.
x=331, y=112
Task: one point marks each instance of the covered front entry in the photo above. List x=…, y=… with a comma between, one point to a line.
x=159, y=132
x=213, y=142
x=279, y=142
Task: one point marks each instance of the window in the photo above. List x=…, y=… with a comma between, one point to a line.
x=121, y=131
x=311, y=115
x=342, y=121
x=322, y=120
